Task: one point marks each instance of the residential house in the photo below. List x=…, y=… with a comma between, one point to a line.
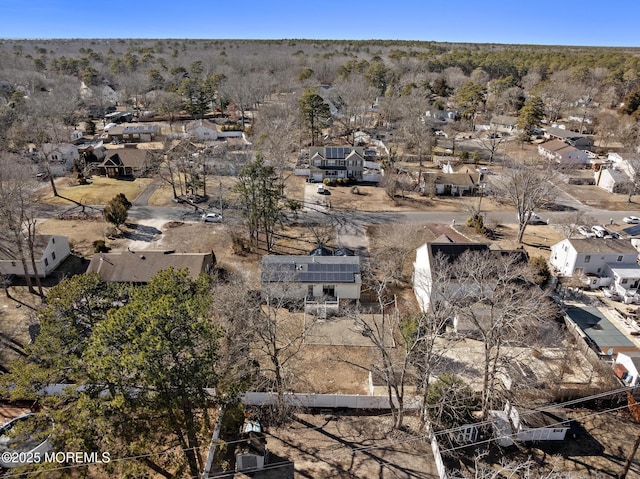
x=124, y=162
x=49, y=252
x=353, y=162
x=617, y=173
x=511, y=425
x=444, y=249
x=599, y=262
x=318, y=280
x=442, y=116
x=202, y=130
x=563, y=153
x=138, y=267
x=61, y=157
x=133, y=133
x=573, y=138
x=464, y=181
x=503, y=123
x=627, y=368
x=612, y=179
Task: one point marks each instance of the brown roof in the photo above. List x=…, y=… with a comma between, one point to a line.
x=557, y=146
x=140, y=266
x=130, y=157
x=457, y=179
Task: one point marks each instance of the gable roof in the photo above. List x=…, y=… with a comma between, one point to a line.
x=451, y=251
x=557, y=146
x=457, y=179
x=336, y=152
x=600, y=245
x=126, y=129
x=141, y=266
x=8, y=251
x=193, y=125
x=564, y=133
x=130, y=157
x=310, y=269
x=504, y=120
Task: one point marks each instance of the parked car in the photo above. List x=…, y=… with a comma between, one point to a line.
x=535, y=219
x=633, y=220
x=584, y=231
x=212, y=218
x=321, y=189
x=599, y=231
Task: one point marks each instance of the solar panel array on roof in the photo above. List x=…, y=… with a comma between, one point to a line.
x=632, y=230
x=339, y=152
x=311, y=272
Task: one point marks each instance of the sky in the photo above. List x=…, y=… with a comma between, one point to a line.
x=542, y=22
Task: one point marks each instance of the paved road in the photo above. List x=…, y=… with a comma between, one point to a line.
x=348, y=222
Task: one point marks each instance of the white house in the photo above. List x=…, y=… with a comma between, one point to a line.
x=61, y=157
x=627, y=367
x=202, y=130
x=612, y=179
x=49, y=251
x=563, y=153
x=618, y=173
x=311, y=278
x=443, y=249
x=598, y=262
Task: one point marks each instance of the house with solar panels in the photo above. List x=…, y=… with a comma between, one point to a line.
x=317, y=280
x=354, y=162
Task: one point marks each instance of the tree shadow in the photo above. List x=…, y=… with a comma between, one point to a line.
x=138, y=232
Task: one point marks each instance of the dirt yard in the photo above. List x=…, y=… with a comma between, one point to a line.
x=354, y=447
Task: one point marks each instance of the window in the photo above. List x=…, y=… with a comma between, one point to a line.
x=599, y=269
x=53, y=255
x=587, y=258
x=46, y=262
x=619, y=258
x=53, y=240
x=624, y=281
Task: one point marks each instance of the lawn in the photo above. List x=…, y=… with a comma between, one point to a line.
x=98, y=192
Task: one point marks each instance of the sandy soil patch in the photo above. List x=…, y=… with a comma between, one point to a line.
x=352, y=447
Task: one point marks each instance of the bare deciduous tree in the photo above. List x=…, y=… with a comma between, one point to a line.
x=493, y=292
x=526, y=188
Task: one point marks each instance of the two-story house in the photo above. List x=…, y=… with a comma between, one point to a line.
x=599, y=263
x=317, y=280
x=49, y=252
x=351, y=162
x=61, y=157
x=430, y=255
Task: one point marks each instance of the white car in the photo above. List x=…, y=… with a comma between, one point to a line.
x=212, y=218
x=584, y=231
x=634, y=220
